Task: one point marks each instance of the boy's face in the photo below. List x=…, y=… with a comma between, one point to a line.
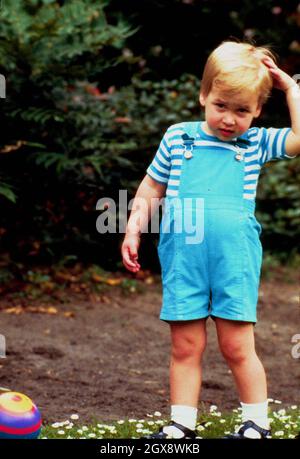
x=229, y=116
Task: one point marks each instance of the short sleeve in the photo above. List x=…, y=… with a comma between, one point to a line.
x=160, y=167
x=273, y=144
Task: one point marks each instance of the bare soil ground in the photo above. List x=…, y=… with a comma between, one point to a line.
x=107, y=358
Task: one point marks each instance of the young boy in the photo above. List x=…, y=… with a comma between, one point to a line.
x=208, y=172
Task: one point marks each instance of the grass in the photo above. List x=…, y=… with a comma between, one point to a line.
x=285, y=424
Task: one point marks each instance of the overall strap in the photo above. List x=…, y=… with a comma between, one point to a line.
x=188, y=138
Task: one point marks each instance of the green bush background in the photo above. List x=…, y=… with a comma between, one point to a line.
x=90, y=88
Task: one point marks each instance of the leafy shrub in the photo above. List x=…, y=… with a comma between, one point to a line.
x=279, y=206
x=83, y=118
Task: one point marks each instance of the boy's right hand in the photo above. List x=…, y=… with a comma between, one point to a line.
x=129, y=251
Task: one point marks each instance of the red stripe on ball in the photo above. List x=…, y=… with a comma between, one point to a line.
x=22, y=431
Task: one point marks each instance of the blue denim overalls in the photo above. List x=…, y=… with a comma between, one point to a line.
x=209, y=246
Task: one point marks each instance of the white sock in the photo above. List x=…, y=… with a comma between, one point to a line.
x=258, y=413
x=184, y=415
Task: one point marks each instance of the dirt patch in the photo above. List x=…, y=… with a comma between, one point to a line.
x=109, y=359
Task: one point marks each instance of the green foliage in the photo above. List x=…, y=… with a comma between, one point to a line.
x=45, y=39
x=279, y=205
x=89, y=96
x=104, y=144
x=7, y=192
x=132, y=119
x=44, y=47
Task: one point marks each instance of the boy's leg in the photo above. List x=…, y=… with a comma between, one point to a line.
x=188, y=341
x=236, y=341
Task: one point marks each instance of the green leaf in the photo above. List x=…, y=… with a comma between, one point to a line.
x=7, y=192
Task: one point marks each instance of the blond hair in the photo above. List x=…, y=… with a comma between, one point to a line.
x=234, y=67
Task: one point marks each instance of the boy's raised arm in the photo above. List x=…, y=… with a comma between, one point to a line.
x=287, y=84
x=293, y=138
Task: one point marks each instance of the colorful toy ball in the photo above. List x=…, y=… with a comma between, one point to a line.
x=19, y=416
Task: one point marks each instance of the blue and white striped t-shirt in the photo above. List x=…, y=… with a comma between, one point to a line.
x=263, y=145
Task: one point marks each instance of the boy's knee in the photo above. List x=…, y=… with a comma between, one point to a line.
x=234, y=351
x=185, y=349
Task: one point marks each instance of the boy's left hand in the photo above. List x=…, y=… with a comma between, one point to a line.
x=281, y=80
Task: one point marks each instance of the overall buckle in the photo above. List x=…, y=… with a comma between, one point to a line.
x=188, y=144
